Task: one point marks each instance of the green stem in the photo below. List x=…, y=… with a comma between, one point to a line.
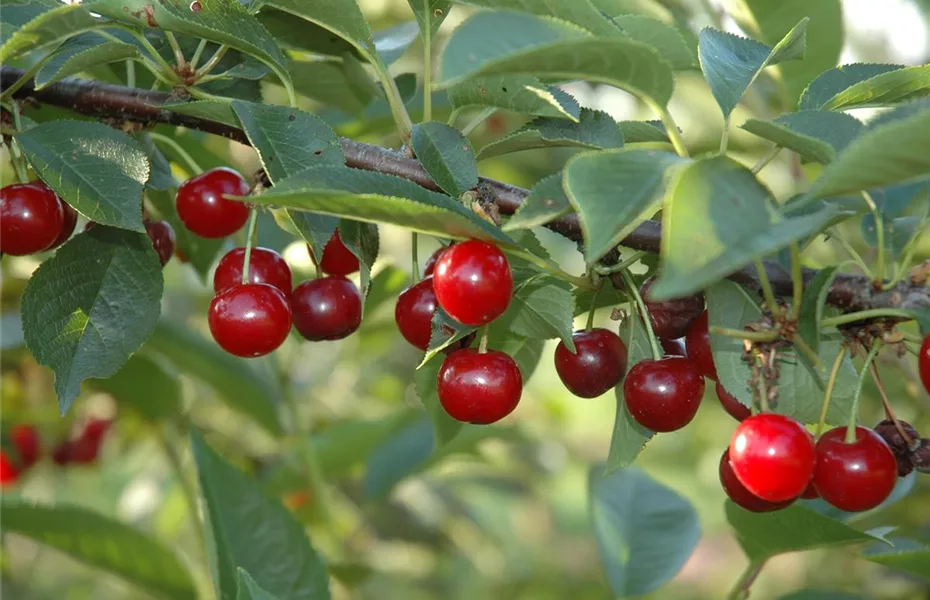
x=763, y=391
x=163, y=67
x=395, y=101
x=483, y=340
x=130, y=74
x=187, y=487
x=879, y=235
x=211, y=63
x=415, y=256
x=742, y=334
x=865, y=314
x=589, y=324
x=478, y=120
x=197, y=54
x=766, y=288
x=427, y=64
x=740, y=590
x=552, y=269
x=854, y=411
x=249, y=241
x=16, y=155
x=828, y=393
x=178, y=55
x=902, y=267
x=852, y=252
x=797, y=281
x=671, y=128
x=724, y=137
x=643, y=313
x=604, y=270
x=766, y=159
x=453, y=116
x=889, y=412
x=807, y=351
x=189, y=162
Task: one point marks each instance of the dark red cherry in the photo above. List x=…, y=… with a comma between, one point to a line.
x=810, y=492
x=265, y=266
x=414, y=313
x=431, y=261
x=62, y=453
x=923, y=363
x=675, y=347
x=337, y=258
x=25, y=439
x=68, y=223
x=663, y=395
x=326, y=309
x=698, y=343
x=854, y=476
x=31, y=218
x=900, y=447
x=479, y=388
x=86, y=447
x=473, y=282
x=671, y=318
x=162, y=235
x=8, y=471
x=738, y=493
x=250, y=320
x=597, y=365
x=773, y=456
x=734, y=407
x=203, y=209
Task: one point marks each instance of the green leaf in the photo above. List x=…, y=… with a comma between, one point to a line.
x=594, y=129
x=342, y=17
x=98, y=170
x=614, y=192
x=254, y=533
x=288, y=140
x=328, y=83
x=315, y=229
x=519, y=93
x=393, y=42
x=17, y=14
x=200, y=252
x=578, y=12
x=829, y=84
x=665, y=39
x=107, y=286
x=547, y=201
x=629, y=437
x=103, y=543
x=161, y=178
x=645, y=531
x=907, y=555
x=249, y=590
x=526, y=352
x=542, y=309
x=46, y=28
x=241, y=387
x=426, y=377
x=212, y=110
x=731, y=63
x=430, y=13
x=404, y=453
x=763, y=535
x=81, y=53
x=893, y=87
x=378, y=198
x=817, y=135
x=363, y=241
x=446, y=155
x=812, y=305
x=444, y=331
x=635, y=132
x=143, y=385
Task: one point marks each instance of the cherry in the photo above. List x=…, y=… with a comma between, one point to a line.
x=810, y=492
x=663, y=395
x=671, y=318
x=473, y=282
x=738, y=493
x=326, y=309
x=479, y=388
x=8, y=471
x=899, y=446
x=431, y=261
x=265, y=266
x=923, y=363
x=734, y=407
x=62, y=453
x=597, y=365
x=698, y=343
x=675, y=347
x=203, y=209
x=162, y=235
x=250, y=320
x=86, y=447
x=773, y=456
x=26, y=440
x=854, y=476
x=31, y=218
x=337, y=258
x=68, y=223
x=414, y=313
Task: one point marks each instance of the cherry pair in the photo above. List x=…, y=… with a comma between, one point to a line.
x=83, y=449
x=24, y=440
x=33, y=219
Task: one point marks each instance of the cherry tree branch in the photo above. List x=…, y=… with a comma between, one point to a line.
x=93, y=98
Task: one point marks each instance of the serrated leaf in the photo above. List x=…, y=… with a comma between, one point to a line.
x=731, y=63
x=645, y=531
x=200, y=252
x=379, y=198
x=546, y=201
x=249, y=590
x=426, y=378
x=792, y=529
x=81, y=53
x=107, y=286
x=614, y=192
x=635, y=132
x=519, y=93
x=237, y=383
x=446, y=155
x=578, y=12
x=342, y=17
x=98, y=170
x=17, y=14
x=542, y=309
x=812, y=305
x=666, y=40
x=143, y=385
x=594, y=129
x=430, y=13
x=254, y=533
x=829, y=84
x=629, y=437
x=444, y=331
x=362, y=240
x=891, y=87
x=46, y=28
x=907, y=555
x=103, y=543
x=817, y=135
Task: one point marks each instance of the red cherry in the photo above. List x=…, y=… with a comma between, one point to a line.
x=337, y=258
x=250, y=320
x=854, y=476
x=414, y=313
x=63, y=452
x=675, y=347
x=26, y=440
x=734, y=407
x=203, y=209
x=671, y=318
x=265, y=266
x=431, y=261
x=479, y=388
x=738, y=493
x=698, y=344
x=598, y=364
x=473, y=282
x=8, y=472
x=663, y=395
x=326, y=309
x=923, y=363
x=810, y=492
x=773, y=456
x=162, y=235
x=95, y=429
x=31, y=218
x=69, y=222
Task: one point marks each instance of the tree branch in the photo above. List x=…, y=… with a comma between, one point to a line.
x=93, y=98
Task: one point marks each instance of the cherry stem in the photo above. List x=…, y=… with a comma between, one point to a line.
x=856, y=257
x=415, y=256
x=740, y=589
x=643, y=313
x=866, y=314
x=552, y=268
x=189, y=163
x=742, y=334
x=589, y=324
x=16, y=156
x=483, y=340
x=807, y=351
x=854, y=411
x=828, y=393
x=607, y=270
x=249, y=236
x=766, y=159
x=766, y=288
x=211, y=63
x=762, y=387
x=478, y=120
x=873, y=370
x=797, y=281
x=197, y=54
x=879, y=237
x=902, y=267
x=176, y=48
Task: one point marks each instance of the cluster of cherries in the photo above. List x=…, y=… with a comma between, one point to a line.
x=22, y=449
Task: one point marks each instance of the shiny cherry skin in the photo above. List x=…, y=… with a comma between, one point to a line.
x=8, y=471
x=337, y=259
x=326, y=309
x=697, y=340
x=250, y=320
x=738, y=493
x=923, y=363
x=854, y=476
x=734, y=407
x=203, y=209
x=479, y=388
x=431, y=261
x=597, y=365
x=773, y=456
x=414, y=313
x=663, y=395
x=25, y=439
x=671, y=318
x=31, y=218
x=69, y=222
x=162, y=235
x=265, y=266
x=675, y=347
x=473, y=282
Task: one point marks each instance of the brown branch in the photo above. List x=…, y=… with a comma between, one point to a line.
x=94, y=98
